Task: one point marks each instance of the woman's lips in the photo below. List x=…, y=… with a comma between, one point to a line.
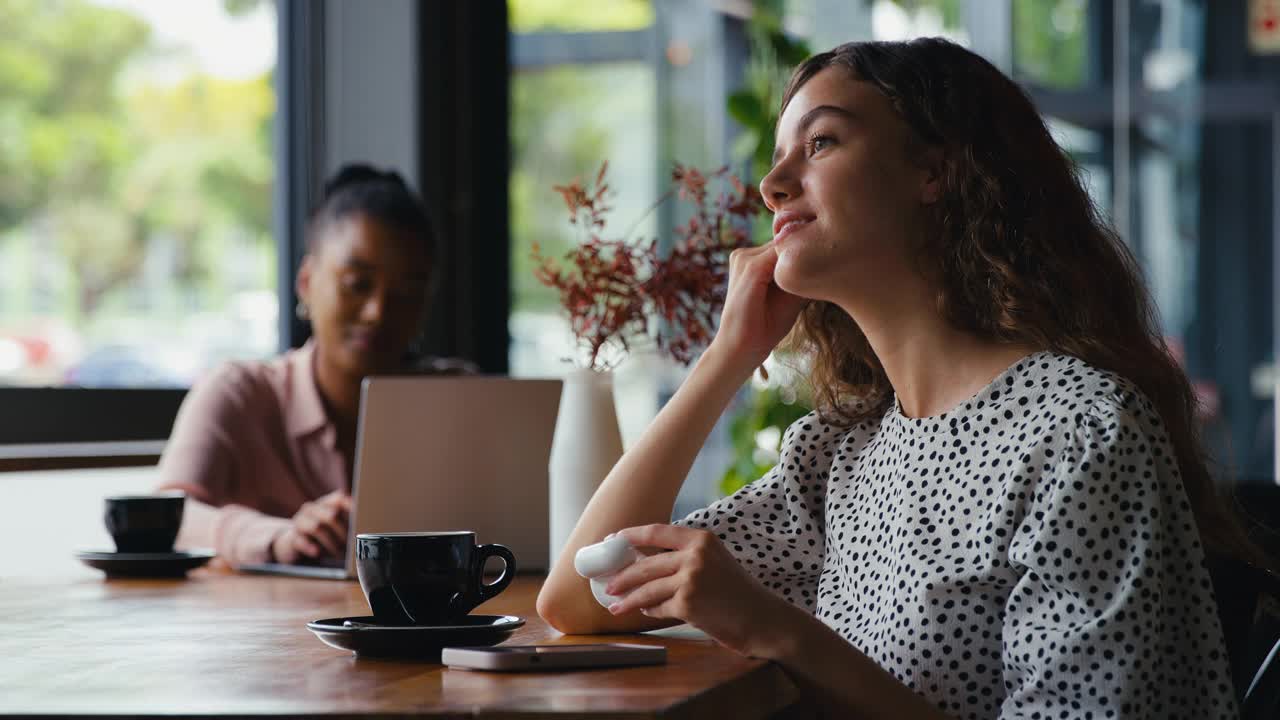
x=363, y=341
x=789, y=226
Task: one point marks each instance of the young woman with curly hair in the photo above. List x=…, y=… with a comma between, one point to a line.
x=1000, y=507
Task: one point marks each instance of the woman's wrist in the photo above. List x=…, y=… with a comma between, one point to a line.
x=727, y=364
x=274, y=554
x=846, y=680
x=783, y=638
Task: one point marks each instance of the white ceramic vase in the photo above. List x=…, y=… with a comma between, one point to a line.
x=584, y=448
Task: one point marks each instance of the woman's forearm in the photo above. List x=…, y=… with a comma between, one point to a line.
x=841, y=680
x=641, y=489
x=199, y=527
x=238, y=534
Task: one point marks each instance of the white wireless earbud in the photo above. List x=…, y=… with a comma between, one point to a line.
x=600, y=562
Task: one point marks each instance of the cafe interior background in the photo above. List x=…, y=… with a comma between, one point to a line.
x=157, y=160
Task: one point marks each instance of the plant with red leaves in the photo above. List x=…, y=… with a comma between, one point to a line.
x=618, y=293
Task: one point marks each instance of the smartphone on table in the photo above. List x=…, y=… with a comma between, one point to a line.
x=516, y=658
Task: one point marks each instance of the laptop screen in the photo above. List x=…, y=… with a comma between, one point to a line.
x=440, y=453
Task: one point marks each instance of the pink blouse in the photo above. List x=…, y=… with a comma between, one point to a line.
x=251, y=444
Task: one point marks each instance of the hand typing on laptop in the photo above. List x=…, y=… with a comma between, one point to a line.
x=318, y=531
x=473, y=434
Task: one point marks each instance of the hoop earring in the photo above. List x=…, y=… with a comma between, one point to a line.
x=301, y=311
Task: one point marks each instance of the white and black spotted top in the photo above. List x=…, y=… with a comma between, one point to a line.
x=1029, y=554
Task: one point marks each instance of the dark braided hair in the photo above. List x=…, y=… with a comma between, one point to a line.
x=380, y=195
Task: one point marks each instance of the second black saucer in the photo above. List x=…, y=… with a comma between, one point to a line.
x=366, y=637
x=146, y=565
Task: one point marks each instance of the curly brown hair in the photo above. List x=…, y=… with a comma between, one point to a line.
x=1021, y=254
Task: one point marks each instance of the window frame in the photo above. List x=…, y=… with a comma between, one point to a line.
x=464, y=166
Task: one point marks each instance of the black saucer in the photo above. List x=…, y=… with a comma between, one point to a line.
x=150, y=565
x=365, y=637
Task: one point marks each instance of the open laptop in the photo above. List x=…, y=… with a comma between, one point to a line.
x=438, y=453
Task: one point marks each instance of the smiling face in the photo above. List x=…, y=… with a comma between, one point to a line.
x=365, y=287
x=848, y=200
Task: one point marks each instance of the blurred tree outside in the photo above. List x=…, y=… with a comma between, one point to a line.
x=565, y=121
x=575, y=16
x=243, y=7
x=58, y=102
x=109, y=176
x=1049, y=41
x=555, y=138
x=772, y=54
x=949, y=11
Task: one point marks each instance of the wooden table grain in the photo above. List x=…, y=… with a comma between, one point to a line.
x=220, y=644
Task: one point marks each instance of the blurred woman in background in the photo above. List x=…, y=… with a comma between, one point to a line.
x=265, y=450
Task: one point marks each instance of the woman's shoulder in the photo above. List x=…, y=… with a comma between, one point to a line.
x=247, y=382
x=232, y=398
x=822, y=428
x=1090, y=396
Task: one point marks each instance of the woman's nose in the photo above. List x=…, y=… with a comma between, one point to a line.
x=374, y=308
x=777, y=186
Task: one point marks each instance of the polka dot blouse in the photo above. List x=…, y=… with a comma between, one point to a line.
x=1029, y=554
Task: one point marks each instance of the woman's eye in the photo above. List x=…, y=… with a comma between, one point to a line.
x=352, y=284
x=819, y=142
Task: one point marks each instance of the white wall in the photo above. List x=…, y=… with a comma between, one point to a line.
x=50, y=515
x=371, y=79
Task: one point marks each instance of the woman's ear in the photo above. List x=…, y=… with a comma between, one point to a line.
x=302, y=283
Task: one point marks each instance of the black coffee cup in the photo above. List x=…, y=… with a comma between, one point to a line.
x=144, y=523
x=427, y=578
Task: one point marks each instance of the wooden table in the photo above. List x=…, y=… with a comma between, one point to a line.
x=223, y=644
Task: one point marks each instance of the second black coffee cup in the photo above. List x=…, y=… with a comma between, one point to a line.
x=427, y=578
x=144, y=523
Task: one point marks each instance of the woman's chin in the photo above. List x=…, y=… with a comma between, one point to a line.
x=790, y=277
x=362, y=363
x=805, y=276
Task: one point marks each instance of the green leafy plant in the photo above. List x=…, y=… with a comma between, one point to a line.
x=756, y=433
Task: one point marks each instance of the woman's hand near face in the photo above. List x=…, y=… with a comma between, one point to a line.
x=697, y=581
x=757, y=313
x=642, y=487
x=319, y=530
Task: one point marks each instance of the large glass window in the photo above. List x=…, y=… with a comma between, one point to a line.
x=135, y=189
x=1169, y=112
x=1197, y=158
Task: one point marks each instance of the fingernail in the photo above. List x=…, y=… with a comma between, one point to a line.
x=614, y=608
